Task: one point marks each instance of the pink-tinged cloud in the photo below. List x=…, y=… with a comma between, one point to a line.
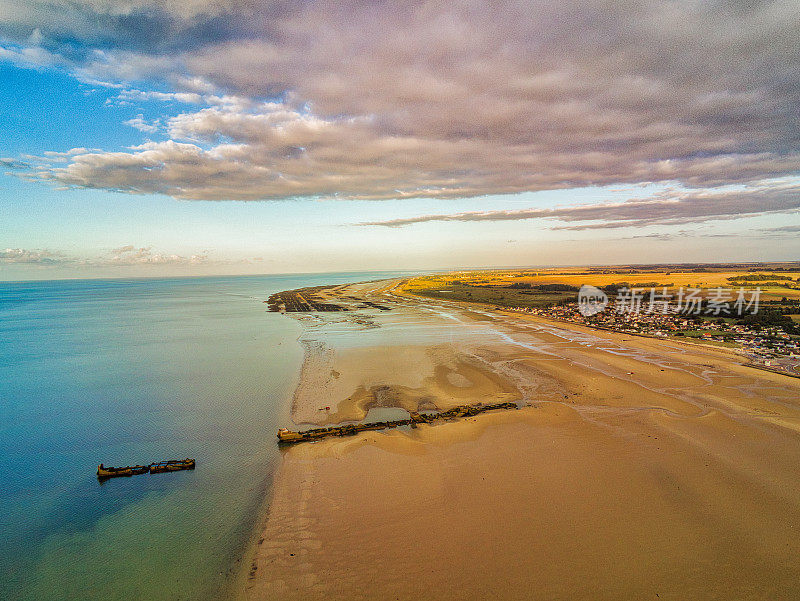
x=668, y=208
x=382, y=100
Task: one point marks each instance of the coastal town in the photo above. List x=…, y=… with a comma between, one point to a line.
x=774, y=346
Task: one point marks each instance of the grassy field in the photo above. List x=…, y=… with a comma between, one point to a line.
x=449, y=288
x=508, y=288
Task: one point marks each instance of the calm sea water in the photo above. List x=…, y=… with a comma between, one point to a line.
x=134, y=371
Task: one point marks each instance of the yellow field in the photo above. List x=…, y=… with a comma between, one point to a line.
x=600, y=277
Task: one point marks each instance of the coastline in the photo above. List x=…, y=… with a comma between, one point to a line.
x=640, y=456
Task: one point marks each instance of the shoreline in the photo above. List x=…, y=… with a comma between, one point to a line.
x=336, y=504
x=242, y=567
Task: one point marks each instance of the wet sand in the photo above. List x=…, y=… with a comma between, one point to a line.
x=642, y=469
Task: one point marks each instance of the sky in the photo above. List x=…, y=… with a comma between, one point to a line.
x=192, y=137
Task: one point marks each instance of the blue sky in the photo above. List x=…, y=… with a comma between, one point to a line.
x=254, y=148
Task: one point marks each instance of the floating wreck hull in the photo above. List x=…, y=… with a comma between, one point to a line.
x=173, y=465
x=115, y=472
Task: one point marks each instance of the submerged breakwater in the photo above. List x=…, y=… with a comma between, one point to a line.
x=286, y=436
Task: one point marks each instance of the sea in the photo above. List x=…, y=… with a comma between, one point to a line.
x=132, y=371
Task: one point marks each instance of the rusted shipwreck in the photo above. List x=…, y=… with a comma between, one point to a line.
x=171, y=465
x=286, y=436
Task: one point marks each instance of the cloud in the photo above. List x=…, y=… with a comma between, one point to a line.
x=138, y=122
x=31, y=257
x=667, y=208
x=10, y=163
x=128, y=255
x=379, y=100
x=784, y=230
x=144, y=26
x=130, y=96
x=31, y=56
x=69, y=153
x=131, y=255
x=664, y=237
x=50, y=157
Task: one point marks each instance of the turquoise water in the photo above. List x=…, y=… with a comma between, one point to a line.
x=135, y=371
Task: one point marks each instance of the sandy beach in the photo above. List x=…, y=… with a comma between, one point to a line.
x=638, y=469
